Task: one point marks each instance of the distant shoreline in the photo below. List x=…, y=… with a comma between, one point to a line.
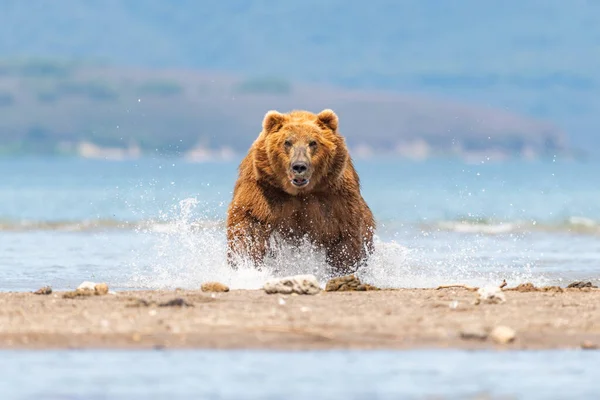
x=216, y=157
x=251, y=319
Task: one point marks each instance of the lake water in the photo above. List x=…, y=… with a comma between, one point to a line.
x=173, y=375
x=160, y=224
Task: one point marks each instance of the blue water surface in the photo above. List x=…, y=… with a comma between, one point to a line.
x=195, y=374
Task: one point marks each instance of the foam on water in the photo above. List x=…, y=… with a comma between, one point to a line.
x=190, y=248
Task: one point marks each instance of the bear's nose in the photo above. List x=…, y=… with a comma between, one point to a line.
x=299, y=167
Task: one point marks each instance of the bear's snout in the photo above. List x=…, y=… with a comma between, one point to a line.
x=299, y=167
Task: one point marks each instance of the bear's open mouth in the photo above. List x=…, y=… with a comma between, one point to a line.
x=299, y=182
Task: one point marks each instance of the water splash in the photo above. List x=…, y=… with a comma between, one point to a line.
x=190, y=248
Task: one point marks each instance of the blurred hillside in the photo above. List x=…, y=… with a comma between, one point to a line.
x=49, y=107
x=534, y=58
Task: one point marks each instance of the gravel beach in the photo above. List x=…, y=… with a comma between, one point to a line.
x=251, y=319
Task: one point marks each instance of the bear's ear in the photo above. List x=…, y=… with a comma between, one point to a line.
x=329, y=119
x=273, y=120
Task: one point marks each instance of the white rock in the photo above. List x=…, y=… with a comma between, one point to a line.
x=87, y=285
x=299, y=284
x=503, y=334
x=491, y=294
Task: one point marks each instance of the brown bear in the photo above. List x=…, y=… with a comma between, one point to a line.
x=298, y=180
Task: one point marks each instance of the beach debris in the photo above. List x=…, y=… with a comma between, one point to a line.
x=177, y=302
x=503, y=334
x=581, y=285
x=141, y=303
x=281, y=301
x=214, y=287
x=299, y=284
x=491, y=294
x=474, y=332
x=46, y=290
x=589, y=345
x=467, y=287
x=530, y=287
x=525, y=287
x=87, y=289
x=348, y=283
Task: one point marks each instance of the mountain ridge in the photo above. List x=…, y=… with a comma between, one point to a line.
x=56, y=107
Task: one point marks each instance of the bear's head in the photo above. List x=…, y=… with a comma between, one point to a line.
x=299, y=151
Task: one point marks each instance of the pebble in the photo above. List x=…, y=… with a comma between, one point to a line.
x=177, y=302
x=588, y=345
x=101, y=289
x=348, y=283
x=503, y=334
x=214, y=287
x=581, y=285
x=46, y=290
x=474, y=332
x=299, y=284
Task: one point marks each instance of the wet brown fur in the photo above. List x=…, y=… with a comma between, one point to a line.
x=330, y=210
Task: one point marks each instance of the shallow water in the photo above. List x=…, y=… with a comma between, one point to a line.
x=440, y=374
x=159, y=224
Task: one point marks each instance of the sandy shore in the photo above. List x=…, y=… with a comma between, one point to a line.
x=403, y=319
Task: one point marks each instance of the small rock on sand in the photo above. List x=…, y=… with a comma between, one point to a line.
x=491, y=294
x=588, y=345
x=503, y=334
x=299, y=284
x=101, y=289
x=46, y=290
x=581, y=285
x=474, y=332
x=214, y=287
x=347, y=283
x=87, y=289
x=178, y=302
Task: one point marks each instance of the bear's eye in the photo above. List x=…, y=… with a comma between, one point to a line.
x=287, y=143
x=312, y=144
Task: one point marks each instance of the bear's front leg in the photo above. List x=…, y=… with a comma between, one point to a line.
x=346, y=255
x=247, y=238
